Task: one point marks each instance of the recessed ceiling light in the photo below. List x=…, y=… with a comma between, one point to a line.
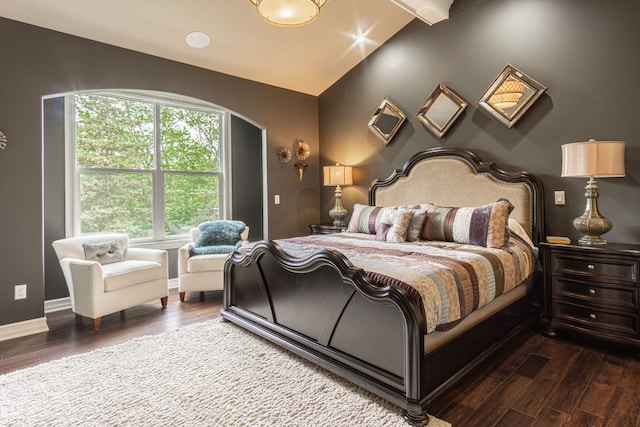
x=361, y=39
x=197, y=39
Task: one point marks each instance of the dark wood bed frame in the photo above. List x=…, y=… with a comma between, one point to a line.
x=327, y=311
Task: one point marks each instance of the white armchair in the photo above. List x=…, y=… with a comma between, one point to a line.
x=203, y=272
x=104, y=275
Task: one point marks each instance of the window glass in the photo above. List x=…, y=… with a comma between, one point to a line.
x=113, y=133
x=190, y=200
x=116, y=202
x=145, y=167
x=190, y=140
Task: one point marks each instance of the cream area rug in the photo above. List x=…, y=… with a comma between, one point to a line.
x=206, y=374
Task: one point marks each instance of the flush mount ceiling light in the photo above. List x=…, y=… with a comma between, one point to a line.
x=289, y=13
x=197, y=39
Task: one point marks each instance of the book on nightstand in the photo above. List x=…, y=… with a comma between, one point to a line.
x=563, y=240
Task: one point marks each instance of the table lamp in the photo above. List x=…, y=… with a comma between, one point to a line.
x=338, y=175
x=593, y=159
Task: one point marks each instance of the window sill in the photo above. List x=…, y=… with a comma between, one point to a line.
x=162, y=244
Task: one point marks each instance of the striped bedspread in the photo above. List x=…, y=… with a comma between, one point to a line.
x=451, y=280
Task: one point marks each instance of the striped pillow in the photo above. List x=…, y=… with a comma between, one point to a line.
x=366, y=219
x=481, y=226
x=369, y=219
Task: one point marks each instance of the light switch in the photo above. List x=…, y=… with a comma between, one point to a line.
x=559, y=197
x=276, y=199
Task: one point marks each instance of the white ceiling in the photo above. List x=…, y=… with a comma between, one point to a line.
x=306, y=59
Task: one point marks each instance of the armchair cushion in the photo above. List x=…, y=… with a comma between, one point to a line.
x=130, y=273
x=221, y=232
x=103, y=252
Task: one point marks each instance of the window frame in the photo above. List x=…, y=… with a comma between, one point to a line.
x=72, y=173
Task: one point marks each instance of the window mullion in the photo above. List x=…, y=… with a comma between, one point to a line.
x=158, y=177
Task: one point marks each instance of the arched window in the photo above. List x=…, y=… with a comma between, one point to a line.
x=143, y=165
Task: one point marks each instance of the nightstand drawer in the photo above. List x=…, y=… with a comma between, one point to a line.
x=597, y=268
x=590, y=318
x=618, y=296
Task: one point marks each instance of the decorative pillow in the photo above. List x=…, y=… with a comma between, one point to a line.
x=366, y=219
x=381, y=234
x=399, y=220
x=416, y=224
x=518, y=230
x=482, y=226
x=221, y=232
x=103, y=252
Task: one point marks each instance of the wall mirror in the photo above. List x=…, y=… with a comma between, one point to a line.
x=510, y=95
x=386, y=121
x=440, y=110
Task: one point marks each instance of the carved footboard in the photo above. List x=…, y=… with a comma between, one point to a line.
x=333, y=315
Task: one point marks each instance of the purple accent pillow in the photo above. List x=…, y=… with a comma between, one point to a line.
x=381, y=234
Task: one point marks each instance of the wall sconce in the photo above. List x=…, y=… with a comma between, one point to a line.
x=300, y=167
x=601, y=159
x=3, y=141
x=338, y=175
x=301, y=151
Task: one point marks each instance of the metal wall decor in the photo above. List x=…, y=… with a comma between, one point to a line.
x=386, y=121
x=284, y=155
x=3, y=141
x=441, y=109
x=510, y=95
x=301, y=150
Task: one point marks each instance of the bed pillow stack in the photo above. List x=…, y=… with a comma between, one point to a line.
x=480, y=225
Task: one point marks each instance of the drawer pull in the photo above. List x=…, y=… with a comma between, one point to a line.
x=592, y=316
x=591, y=267
x=592, y=291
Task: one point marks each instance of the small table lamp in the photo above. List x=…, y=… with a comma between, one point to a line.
x=593, y=159
x=338, y=175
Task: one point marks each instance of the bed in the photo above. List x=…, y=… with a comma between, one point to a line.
x=370, y=325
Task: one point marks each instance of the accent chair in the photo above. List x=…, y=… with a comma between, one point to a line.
x=104, y=275
x=201, y=262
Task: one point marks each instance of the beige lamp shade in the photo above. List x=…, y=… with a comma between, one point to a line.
x=337, y=175
x=598, y=159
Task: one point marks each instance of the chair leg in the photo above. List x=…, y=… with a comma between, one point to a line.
x=96, y=323
x=182, y=296
x=164, y=301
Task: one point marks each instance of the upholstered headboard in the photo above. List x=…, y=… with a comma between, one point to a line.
x=457, y=178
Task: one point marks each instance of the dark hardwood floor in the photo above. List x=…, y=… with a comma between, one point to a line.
x=534, y=381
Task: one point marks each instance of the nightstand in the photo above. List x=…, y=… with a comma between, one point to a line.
x=326, y=228
x=592, y=291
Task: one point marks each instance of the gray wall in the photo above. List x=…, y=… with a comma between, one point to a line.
x=39, y=62
x=586, y=52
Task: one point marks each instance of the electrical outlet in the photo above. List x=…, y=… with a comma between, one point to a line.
x=276, y=199
x=559, y=197
x=20, y=292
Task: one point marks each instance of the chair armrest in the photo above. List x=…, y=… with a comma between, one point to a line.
x=183, y=257
x=85, y=282
x=146, y=254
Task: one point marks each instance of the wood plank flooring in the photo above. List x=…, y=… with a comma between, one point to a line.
x=535, y=381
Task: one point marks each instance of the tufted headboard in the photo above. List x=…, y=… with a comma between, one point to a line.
x=456, y=177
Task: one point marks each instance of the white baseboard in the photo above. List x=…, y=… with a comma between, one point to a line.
x=24, y=328
x=53, y=305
